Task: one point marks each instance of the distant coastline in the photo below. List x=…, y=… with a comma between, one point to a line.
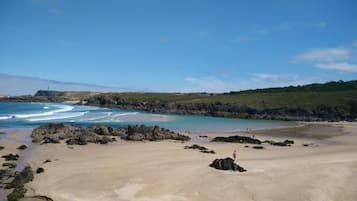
x=333, y=101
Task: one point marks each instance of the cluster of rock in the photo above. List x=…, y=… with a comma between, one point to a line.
x=11, y=157
x=238, y=139
x=201, y=149
x=155, y=133
x=251, y=140
x=17, y=184
x=282, y=144
x=75, y=135
x=226, y=164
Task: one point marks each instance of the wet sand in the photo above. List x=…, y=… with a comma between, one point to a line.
x=165, y=171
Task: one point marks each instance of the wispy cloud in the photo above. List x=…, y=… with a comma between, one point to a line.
x=208, y=84
x=55, y=11
x=164, y=39
x=201, y=34
x=321, y=24
x=239, y=39
x=255, y=80
x=343, y=66
x=338, y=59
x=324, y=55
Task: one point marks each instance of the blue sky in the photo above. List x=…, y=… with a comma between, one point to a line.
x=180, y=45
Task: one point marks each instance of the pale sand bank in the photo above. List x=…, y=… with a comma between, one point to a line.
x=164, y=171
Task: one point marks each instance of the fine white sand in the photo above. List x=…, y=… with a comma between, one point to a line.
x=165, y=171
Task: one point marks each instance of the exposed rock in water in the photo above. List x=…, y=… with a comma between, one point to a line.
x=22, y=147
x=200, y=148
x=55, y=132
x=40, y=170
x=238, y=139
x=139, y=133
x=226, y=164
x=1, y=148
x=11, y=157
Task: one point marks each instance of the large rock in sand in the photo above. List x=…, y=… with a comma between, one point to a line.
x=226, y=164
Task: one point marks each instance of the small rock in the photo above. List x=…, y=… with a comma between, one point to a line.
x=47, y=161
x=10, y=165
x=40, y=170
x=11, y=157
x=22, y=147
x=258, y=147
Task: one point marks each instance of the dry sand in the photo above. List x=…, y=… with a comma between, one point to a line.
x=164, y=171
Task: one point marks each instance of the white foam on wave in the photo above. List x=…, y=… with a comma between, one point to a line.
x=46, y=107
x=4, y=117
x=62, y=108
x=125, y=114
x=67, y=116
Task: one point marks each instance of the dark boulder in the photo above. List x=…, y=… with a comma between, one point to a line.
x=76, y=141
x=47, y=161
x=54, y=131
x=200, y=148
x=139, y=133
x=238, y=139
x=40, y=170
x=21, y=178
x=22, y=147
x=10, y=165
x=101, y=130
x=11, y=157
x=258, y=147
x=226, y=164
x=1, y=148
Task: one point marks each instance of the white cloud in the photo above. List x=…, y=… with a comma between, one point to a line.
x=254, y=81
x=239, y=39
x=321, y=24
x=324, y=55
x=354, y=44
x=343, y=66
x=208, y=84
x=164, y=39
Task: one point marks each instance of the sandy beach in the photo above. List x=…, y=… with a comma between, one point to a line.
x=165, y=171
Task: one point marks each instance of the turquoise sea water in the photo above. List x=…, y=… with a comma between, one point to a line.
x=33, y=114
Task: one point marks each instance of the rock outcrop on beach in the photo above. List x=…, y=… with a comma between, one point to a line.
x=75, y=135
x=238, y=139
x=226, y=164
x=152, y=133
x=251, y=140
x=200, y=148
x=17, y=184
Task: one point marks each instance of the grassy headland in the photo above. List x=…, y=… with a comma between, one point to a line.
x=331, y=101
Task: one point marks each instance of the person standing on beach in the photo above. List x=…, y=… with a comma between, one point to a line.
x=234, y=155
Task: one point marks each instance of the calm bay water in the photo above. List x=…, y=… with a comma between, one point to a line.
x=33, y=114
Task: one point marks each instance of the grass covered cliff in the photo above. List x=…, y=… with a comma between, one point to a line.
x=331, y=101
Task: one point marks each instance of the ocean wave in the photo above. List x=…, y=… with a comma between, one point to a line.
x=69, y=115
x=63, y=108
x=125, y=114
x=4, y=118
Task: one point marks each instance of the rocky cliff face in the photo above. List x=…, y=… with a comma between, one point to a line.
x=320, y=113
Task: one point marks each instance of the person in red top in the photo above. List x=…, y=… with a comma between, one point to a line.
x=234, y=155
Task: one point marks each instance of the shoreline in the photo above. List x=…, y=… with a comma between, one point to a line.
x=132, y=170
